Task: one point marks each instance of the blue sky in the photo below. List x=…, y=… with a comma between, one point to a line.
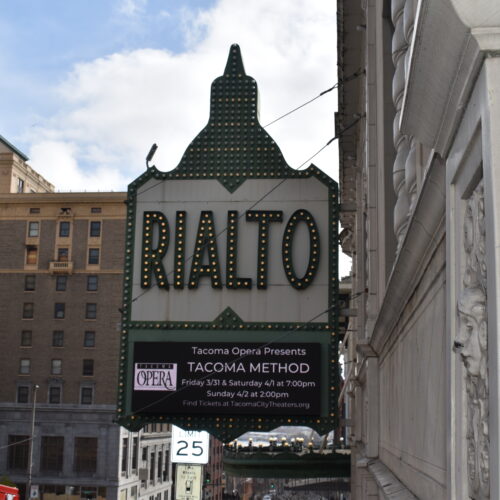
x=88, y=85
x=42, y=40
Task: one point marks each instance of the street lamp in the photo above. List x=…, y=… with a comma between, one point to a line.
x=32, y=437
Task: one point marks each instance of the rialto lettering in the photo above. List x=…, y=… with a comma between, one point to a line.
x=200, y=259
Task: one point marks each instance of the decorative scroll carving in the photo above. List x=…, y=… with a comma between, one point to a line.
x=411, y=159
x=473, y=335
x=399, y=49
x=405, y=165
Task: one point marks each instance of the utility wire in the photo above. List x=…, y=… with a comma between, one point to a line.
x=357, y=73
x=16, y=443
x=276, y=339
x=188, y=259
x=321, y=94
x=235, y=360
x=301, y=106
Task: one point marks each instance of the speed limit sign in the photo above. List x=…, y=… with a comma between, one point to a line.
x=189, y=447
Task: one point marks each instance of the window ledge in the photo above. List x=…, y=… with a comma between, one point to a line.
x=56, y=267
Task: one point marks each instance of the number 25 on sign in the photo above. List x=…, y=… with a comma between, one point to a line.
x=189, y=447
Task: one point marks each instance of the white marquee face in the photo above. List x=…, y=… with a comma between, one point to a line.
x=279, y=301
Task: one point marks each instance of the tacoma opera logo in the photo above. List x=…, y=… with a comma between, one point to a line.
x=155, y=377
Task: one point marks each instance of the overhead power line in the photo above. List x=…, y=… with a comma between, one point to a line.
x=262, y=198
x=235, y=360
x=321, y=94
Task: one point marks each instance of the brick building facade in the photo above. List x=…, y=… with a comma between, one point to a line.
x=61, y=260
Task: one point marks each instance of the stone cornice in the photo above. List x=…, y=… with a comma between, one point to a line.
x=364, y=349
x=73, y=197
x=419, y=242
x=439, y=82
x=389, y=485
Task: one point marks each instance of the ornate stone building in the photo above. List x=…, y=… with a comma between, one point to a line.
x=419, y=174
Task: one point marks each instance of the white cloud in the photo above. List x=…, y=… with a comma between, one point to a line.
x=112, y=109
x=57, y=162
x=164, y=14
x=131, y=8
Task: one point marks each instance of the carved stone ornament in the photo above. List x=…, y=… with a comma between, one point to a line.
x=399, y=49
x=404, y=174
x=473, y=337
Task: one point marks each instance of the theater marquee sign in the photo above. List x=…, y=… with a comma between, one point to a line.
x=230, y=317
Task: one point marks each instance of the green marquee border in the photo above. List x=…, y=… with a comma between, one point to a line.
x=231, y=164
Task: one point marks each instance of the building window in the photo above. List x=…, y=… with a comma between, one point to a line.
x=124, y=454
x=152, y=466
x=86, y=395
x=57, y=338
x=166, y=466
x=95, y=210
x=31, y=255
x=90, y=311
x=88, y=367
x=23, y=394
x=34, y=210
x=62, y=254
x=20, y=185
x=135, y=453
x=59, y=310
x=52, y=454
x=28, y=310
x=29, y=282
x=25, y=366
x=56, y=367
x=64, y=228
x=160, y=465
x=89, y=339
x=92, y=283
x=85, y=455
x=93, y=256
x=61, y=283
x=54, y=395
x=33, y=229
x=95, y=229
x=26, y=338
x=144, y=453
x=18, y=452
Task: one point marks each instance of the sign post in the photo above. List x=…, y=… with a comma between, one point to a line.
x=188, y=482
x=230, y=296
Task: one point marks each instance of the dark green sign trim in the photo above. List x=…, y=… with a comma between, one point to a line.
x=232, y=148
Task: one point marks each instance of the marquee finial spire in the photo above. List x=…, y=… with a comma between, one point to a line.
x=234, y=63
x=233, y=143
